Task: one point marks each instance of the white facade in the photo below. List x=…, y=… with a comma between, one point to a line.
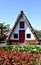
x=26, y=28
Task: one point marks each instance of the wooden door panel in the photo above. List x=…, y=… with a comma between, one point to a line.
x=22, y=35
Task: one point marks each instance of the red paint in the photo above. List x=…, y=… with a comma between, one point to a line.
x=21, y=24
x=22, y=36
x=14, y=41
x=25, y=41
x=30, y=41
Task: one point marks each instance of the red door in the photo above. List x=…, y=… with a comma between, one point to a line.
x=22, y=35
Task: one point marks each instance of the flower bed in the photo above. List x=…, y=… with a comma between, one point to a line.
x=19, y=58
x=29, y=48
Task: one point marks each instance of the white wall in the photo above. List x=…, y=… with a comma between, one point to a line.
x=27, y=30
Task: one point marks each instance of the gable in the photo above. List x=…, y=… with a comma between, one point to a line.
x=27, y=27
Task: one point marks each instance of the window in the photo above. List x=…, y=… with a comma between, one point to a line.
x=28, y=35
x=15, y=35
x=21, y=24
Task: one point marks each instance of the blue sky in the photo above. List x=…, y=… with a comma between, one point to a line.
x=9, y=10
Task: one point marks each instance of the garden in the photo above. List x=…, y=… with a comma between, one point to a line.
x=20, y=55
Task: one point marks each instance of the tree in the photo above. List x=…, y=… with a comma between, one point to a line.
x=4, y=27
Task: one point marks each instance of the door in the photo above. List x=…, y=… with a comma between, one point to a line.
x=22, y=35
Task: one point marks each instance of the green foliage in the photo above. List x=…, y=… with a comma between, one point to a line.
x=33, y=49
x=8, y=48
x=1, y=38
x=4, y=27
x=38, y=33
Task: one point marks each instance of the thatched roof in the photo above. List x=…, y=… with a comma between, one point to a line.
x=28, y=23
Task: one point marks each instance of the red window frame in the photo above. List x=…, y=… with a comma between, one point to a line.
x=21, y=24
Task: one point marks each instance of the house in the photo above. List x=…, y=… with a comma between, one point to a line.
x=22, y=31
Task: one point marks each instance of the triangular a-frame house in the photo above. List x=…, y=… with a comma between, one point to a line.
x=22, y=31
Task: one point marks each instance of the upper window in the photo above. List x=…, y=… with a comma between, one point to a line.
x=28, y=35
x=15, y=35
x=21, y=24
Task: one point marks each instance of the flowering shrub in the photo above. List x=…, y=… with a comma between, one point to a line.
x=19, y=58
x=29, y=48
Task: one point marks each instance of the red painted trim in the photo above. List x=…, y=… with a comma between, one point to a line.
x=14, y=41
x=25, y=41
x=30, y=41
